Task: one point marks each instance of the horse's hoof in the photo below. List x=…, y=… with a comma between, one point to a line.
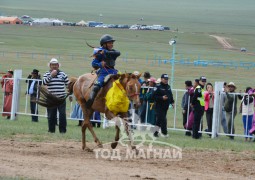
x=114, y=145
x=100, y=145
x=88, y=149
x=136, y=151
x=133, y=147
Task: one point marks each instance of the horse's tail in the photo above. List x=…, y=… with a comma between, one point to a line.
x=72, y=80
x=47, y=99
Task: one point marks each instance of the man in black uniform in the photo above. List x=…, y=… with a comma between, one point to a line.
x=198, y=104
x=163, y=97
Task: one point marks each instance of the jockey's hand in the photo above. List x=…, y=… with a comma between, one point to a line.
x=103, y=63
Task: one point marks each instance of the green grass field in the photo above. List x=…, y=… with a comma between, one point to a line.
x=195, y=21
x=25, y=130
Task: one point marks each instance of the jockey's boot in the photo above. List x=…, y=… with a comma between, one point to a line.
x=92, y=95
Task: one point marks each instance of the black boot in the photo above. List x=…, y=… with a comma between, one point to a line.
x=92, y=95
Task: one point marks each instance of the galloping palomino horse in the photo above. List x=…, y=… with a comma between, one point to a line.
x=81, y=86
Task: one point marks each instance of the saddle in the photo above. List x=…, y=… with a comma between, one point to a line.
x=109, y=77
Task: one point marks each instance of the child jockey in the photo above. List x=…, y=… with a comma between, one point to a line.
x=104, y=62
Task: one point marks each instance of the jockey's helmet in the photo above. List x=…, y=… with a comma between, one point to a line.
x=106, y=38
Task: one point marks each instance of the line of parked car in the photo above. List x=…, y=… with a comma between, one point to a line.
x=134, y=27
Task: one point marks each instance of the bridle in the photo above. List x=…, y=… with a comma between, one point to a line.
x=136, y=94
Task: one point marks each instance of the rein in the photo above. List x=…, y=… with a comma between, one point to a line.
x=132, y=95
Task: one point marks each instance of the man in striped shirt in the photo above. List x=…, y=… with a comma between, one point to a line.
x=56, y=82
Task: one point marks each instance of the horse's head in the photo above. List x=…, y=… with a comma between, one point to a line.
x=131, y=84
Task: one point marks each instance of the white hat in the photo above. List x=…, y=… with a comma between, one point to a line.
x=136, y=73
x=53, y=61
x=231, y=84
x=158, y=80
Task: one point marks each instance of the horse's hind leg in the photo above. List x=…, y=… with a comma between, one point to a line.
x=88, y=124
x=117, y=137
x=83, y=130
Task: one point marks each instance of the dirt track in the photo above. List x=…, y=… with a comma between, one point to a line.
x=66, y=160
x=224, y=42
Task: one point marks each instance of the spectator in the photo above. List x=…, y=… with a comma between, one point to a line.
x=252, y=130
x=163, y=98
x=186, y=108
x=7, y=87
x=151, y=117
x=198, y=104
x=247, y=110
x=158, y=81
x=32, y=90
x=230, y=107
x=190, y=121
x=78, y=114
x=56, y=80
x=146, y=76
x=96, y=117
x=77, y=111
x=196, y=83
x=223, y=116
x=209, y=102
x=137, y=73
x=144, y=89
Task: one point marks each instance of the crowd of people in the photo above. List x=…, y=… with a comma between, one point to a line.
x=196, y=101
x=156, y=98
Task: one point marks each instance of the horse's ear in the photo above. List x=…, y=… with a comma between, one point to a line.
x=122, y=76
x=139, y=75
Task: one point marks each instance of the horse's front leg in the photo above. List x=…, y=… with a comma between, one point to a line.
x=117, y=137
x=129, y=134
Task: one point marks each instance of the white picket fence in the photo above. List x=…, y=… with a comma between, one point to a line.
x=21, y=106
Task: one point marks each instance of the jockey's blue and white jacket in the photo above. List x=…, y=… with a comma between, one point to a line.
x=109, y=57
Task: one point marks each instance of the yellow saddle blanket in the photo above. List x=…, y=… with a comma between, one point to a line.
x=116, y=98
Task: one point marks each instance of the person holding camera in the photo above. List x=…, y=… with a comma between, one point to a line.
x=34, y=81
x=209, y=102
x=56, y=82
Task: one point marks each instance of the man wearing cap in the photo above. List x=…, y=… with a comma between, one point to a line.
x=163, y=97
x=34, y=81
x=230, y=106
x=56, y=82
x=198, y=104
x=7, y=87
